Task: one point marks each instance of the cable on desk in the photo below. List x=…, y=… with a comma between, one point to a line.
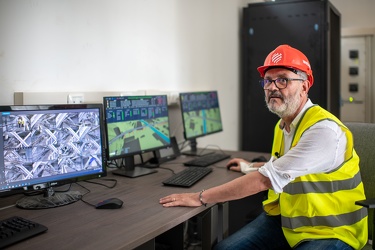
x=211, y=145
x=96, y=183
x=170, y=163
x=168, y=169
x=88, y=191
x=203, y=149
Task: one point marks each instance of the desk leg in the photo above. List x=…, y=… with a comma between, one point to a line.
x=204, y=220
x=200, y=231
x=222, y=227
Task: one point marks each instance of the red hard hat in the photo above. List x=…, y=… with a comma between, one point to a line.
x=285, y=56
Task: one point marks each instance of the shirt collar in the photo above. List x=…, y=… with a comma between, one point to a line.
x=307, y=105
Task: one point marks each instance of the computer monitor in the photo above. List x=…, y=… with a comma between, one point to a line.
x=135, y=125
x=201, y=116
x=48, y=146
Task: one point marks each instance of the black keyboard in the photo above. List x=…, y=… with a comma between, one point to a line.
x=206, y=160
x=187, y=177
x=15, y=229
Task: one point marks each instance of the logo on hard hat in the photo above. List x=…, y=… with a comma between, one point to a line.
x=276, y=57
x=306, y=63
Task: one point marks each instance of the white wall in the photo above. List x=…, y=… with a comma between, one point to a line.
x=356, y=14
x=124, y=45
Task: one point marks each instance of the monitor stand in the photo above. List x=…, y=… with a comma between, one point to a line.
x=194, y=151
x=132, y=171
x=49, y=199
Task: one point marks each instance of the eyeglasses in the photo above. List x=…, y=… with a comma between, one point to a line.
x=280, y=83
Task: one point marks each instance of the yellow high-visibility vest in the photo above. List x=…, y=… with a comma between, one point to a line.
x=321, y=206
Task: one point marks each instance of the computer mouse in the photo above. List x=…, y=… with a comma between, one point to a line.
x=111, y=203
x=233, y=164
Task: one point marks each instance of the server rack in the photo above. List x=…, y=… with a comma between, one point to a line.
x=312, y=26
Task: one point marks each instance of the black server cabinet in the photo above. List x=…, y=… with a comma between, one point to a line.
x=312, y=26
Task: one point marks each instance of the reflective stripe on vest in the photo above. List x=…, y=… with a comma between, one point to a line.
x=323, y=186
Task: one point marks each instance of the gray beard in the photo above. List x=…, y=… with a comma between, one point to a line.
x=288, y=108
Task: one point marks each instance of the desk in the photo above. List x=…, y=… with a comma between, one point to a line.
x=137, y=223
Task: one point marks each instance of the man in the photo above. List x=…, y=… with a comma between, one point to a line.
x=312, y=178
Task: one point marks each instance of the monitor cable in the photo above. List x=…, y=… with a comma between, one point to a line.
x=173, y=172
x=112, y=164
x=216, y=146
x=183, y=146
x=96, y=183
x=102, y=184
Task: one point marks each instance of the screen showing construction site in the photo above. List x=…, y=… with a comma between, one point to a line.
x=200, y=113
x=136, y=124
x=49, y=144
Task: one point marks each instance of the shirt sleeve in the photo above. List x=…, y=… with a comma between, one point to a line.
x=320, y=149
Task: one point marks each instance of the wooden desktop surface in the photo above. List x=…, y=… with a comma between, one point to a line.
x=142, y=218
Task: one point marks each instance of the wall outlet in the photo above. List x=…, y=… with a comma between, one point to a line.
x=76, y=98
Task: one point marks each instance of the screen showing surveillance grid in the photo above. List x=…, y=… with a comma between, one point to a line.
x=48, y=145
x=136, y=124
x=200, y=113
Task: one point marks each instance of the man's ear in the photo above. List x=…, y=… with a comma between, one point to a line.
x=306, y=86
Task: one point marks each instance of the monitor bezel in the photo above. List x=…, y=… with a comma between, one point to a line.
x=184, y=122
x=132, y=154
x=59, y=180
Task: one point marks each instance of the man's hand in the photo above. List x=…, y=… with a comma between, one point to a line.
x=181, y=200
x=234, y=164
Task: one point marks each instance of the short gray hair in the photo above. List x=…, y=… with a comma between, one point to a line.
x=302, y=74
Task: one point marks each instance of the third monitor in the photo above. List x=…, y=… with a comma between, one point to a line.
x=201, y=116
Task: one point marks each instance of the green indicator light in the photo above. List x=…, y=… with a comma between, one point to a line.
x=351, y=99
